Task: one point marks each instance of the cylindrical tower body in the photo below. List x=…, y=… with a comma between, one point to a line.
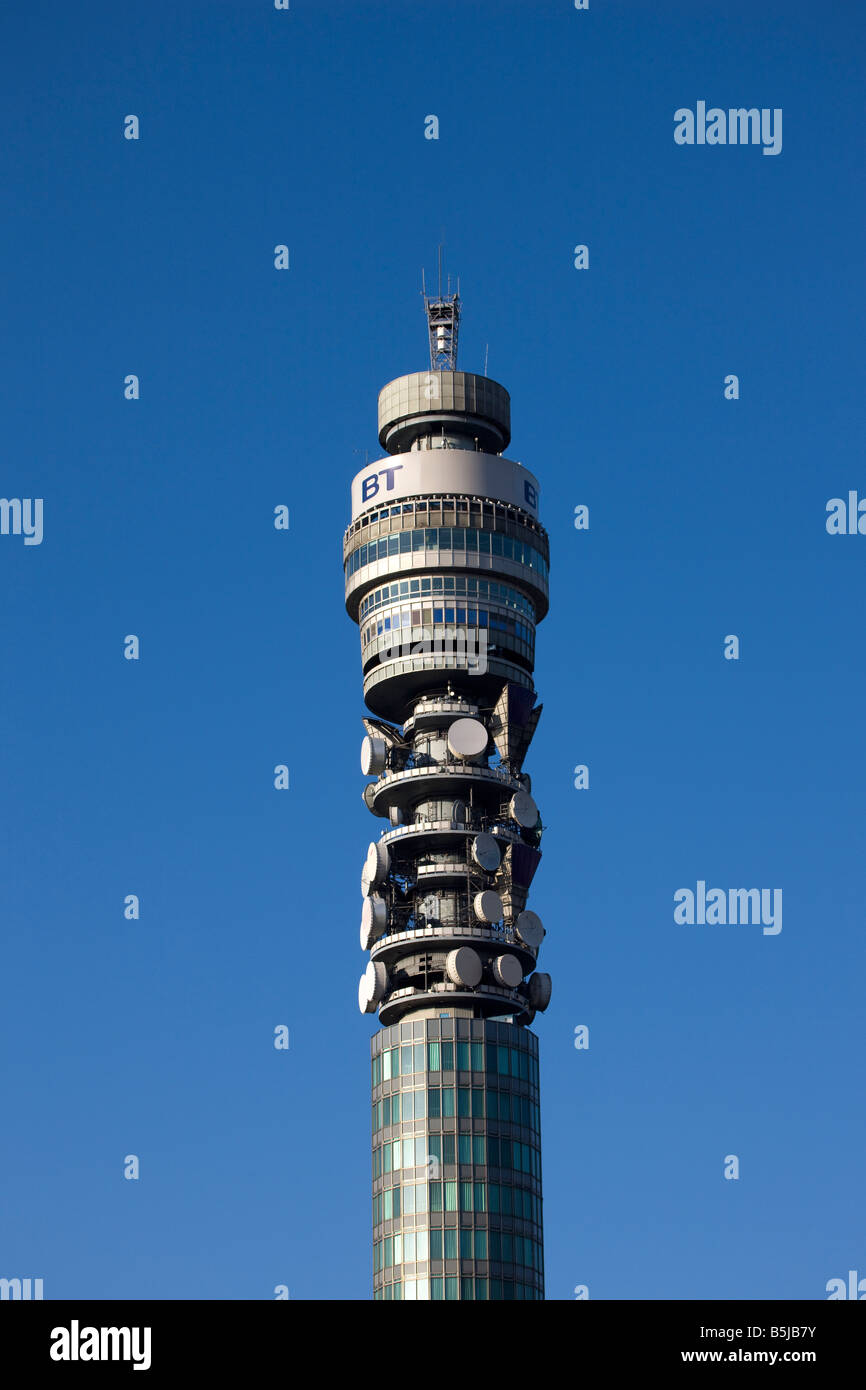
x=446, y=569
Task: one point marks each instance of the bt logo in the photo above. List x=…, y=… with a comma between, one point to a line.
x=370, y=485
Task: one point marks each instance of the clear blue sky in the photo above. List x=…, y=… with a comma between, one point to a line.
x=707, y=517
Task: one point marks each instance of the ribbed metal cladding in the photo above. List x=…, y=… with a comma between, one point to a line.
x=446, y=569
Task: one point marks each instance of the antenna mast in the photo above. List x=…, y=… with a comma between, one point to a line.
x=443, y=323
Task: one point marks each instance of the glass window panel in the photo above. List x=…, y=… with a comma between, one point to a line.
x=408, y=1245
x=408, y=1152
x=420, y=1104
x=431, y=537
x=466, y=1196
x=481, y=1245
x=493, y=1189
x=398, y=1249
x=418, y=1057
x=438, y=615
x=409, y=1198
x=496, y=544
x=493, y=1104
x=420, y=1148
x=450, y=1196
x=396, y=1159
x=477, y=1102
x=434, y=1106
x=465, y=1244
x=389, y=1203
x=436, y=1244
x=480, y=1196
x=435, y=1190
x=389, y=1250
x=451, y=1242
x=503, y=1060
x=484, y=542
x=447, y=1100
x=433, y=1056
x=387, y=1158
x=386, y=1069
x=479, y=1149
x=421, y=1201
x=406, y=1060
x=447, y=1056
x=445, y=537
x=464, y=1147
x=477, y=1056
x=463, y=1101
x=458, y=538
x=481, y=1289
x=437, y=1288
x=421, y=1286
x=395, y=1108
x=448, y=1148
x=405, y=541
x=463, y=1056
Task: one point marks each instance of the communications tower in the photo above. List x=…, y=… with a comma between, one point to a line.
x=446, y=570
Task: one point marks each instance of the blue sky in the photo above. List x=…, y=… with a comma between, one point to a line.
x=258, y=387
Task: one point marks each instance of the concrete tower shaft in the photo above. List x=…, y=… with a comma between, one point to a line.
x=446, y=570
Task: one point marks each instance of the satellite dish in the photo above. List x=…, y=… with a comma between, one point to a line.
x=376, y=977
x=374, y=920
x=365, y=1003
x=378, y=862
x=488, y=906
x=523, y=809
x=373, y=754
x=507, y=971
x=367, y=884
x=485, y=852
x=396, y=816
x=467, y=738
x=530, y=930
x=369, y=795
x=540, y=986
x=463, y=966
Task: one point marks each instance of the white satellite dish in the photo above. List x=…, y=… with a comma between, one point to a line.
x=378, y=861
x=530, y=930
x=467, y=738
x=377, y=980
x=507, y=971
x=463, y=966
x=485, y=852
x=396, y=815
x=373, y=754
x=374, y=920
x=366, y=1004
x=488, y=906
x=523, y=809
x=540, y=986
